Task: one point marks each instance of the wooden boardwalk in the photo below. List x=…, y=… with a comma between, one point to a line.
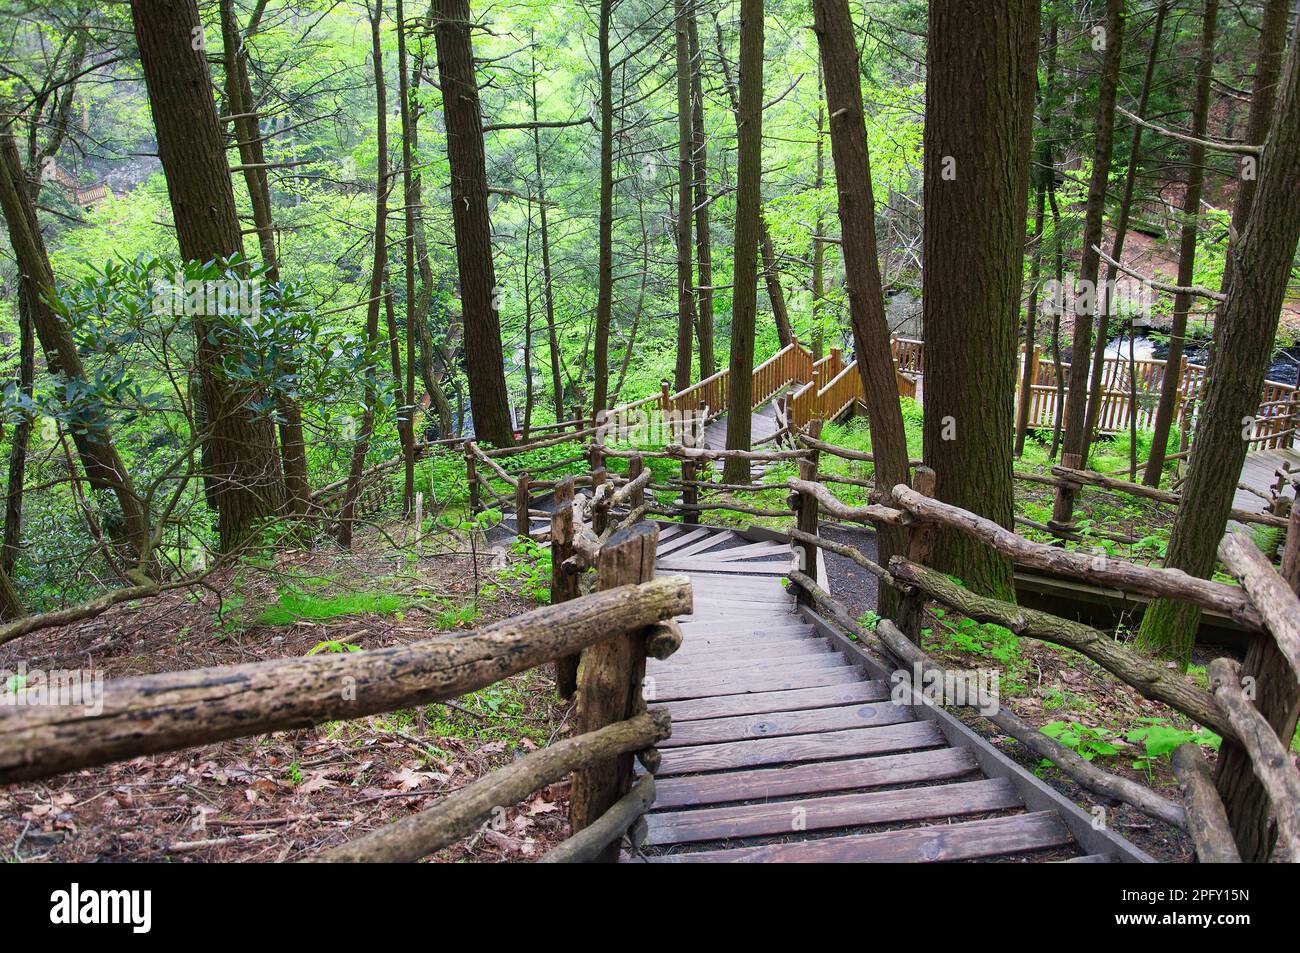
x=1260, y=474
x=787, y=747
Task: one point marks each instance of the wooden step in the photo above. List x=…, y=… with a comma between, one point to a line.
x=703, y=648
x=818, y=777
x=680, y=685
x=828, y=744
x=823, y=813
x=756, y=703
x=965, y=840
x=699, y=564
x=784, y=723
x=683, y=539
x=780, y=626
x=691, y=667
x=716, y=539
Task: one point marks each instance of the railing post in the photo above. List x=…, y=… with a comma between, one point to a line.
x=690, y=492
x=471, y=478
x=522, y=523
x=599, y=512
x=610, y=682
x=806, y=522
x=919, y=542
x=635, y=467
x=564, y=583
x=665, y=405
x=1063, y=509
x=814, y=455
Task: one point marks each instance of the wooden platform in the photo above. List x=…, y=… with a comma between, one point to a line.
x=1260, y=473
x=787, y=747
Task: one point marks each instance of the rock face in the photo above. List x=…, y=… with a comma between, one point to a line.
x=903, y=315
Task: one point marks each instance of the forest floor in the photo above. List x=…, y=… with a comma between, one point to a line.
x=284, y=796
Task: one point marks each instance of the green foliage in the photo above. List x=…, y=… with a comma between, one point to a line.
x=1158, y=739
x=295, y=605
x=530, y=566
x=1085, y=741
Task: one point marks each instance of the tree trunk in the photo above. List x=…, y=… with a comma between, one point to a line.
x=13, y=528
x=240, y=454
x=409, y=202
x=700, y=169
x=1077, y=437
x=252, y=155
x=377, y=289
x=744, y=305
x=685, y=133
x=771, y=278
x=548, y=296
x=469, y=201
x=839, y=60
x=605, y=226
x=1243, y=344
x=11, y=606
x=819, y=246
x=104, y=468
x=1172, y=380
x=977, y=141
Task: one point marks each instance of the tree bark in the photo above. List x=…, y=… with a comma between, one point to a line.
x=241, y=461
x=605, y=224
x=977, y=143
x=749, y=171
x=469, y=200
x=819, y=246
x=1172, y=380
x=252, y=155
x=21, y=438
x=1077, y=438
x=1243, y=344
x=841, y=69
x=406, y=427
x=378, y=287
x=700, y=168
x=104, y=468
x=685, y=201
x=548, y=296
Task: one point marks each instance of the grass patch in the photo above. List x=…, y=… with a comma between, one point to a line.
x=297, y=606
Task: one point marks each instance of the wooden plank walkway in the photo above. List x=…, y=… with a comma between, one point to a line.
x=1259, y=472
x=785, y=749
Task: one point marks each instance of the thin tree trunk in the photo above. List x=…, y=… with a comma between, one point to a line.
x=1077, y=437
x=685, y=203
x=819, y=246
x=978, y=136
x=409, y=201
x=1058, y=366
x=240, y=454
x=13, y=528
x=605, y=226
x=771, y=277
x=378, y=289
x=1243, y=345
x=548, y=297
x=1166, y=410
x=840, y=65
x=99, y=457
x=252, y=155
x=528, y=326
x=11, y=606
x=469, y=202
x=700, y=169
x=1095, y=396
x=749, y=172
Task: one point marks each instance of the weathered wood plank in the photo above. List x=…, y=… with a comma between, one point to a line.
x=782, y=627
x=675, y=687
x=708, y=542
x=697, y=564
x=705, y=649
x=752, y=551
x=757, y=703
x=786, y=723
x=732, y=663
x=823, y=813
x=940, y=842
x=685, y=539
x=829, y=744
x=818, y=777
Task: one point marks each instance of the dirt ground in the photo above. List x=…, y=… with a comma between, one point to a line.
x=282, y=797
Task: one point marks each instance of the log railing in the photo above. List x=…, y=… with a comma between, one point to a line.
x=615, y=627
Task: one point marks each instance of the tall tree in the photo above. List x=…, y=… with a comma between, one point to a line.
x=240, y=456
x=548, y=293
x=378, y=291
x=1172, y=381
x=605, y=215
x=1243, y=343
x=818, y=242
x=700, y=169
x=1110, y=41
x=682, y=9
x=744, y=302
x=252, y=156
x=406, y=414
x=977, y=142
x=469, y=209
x=841, y=69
